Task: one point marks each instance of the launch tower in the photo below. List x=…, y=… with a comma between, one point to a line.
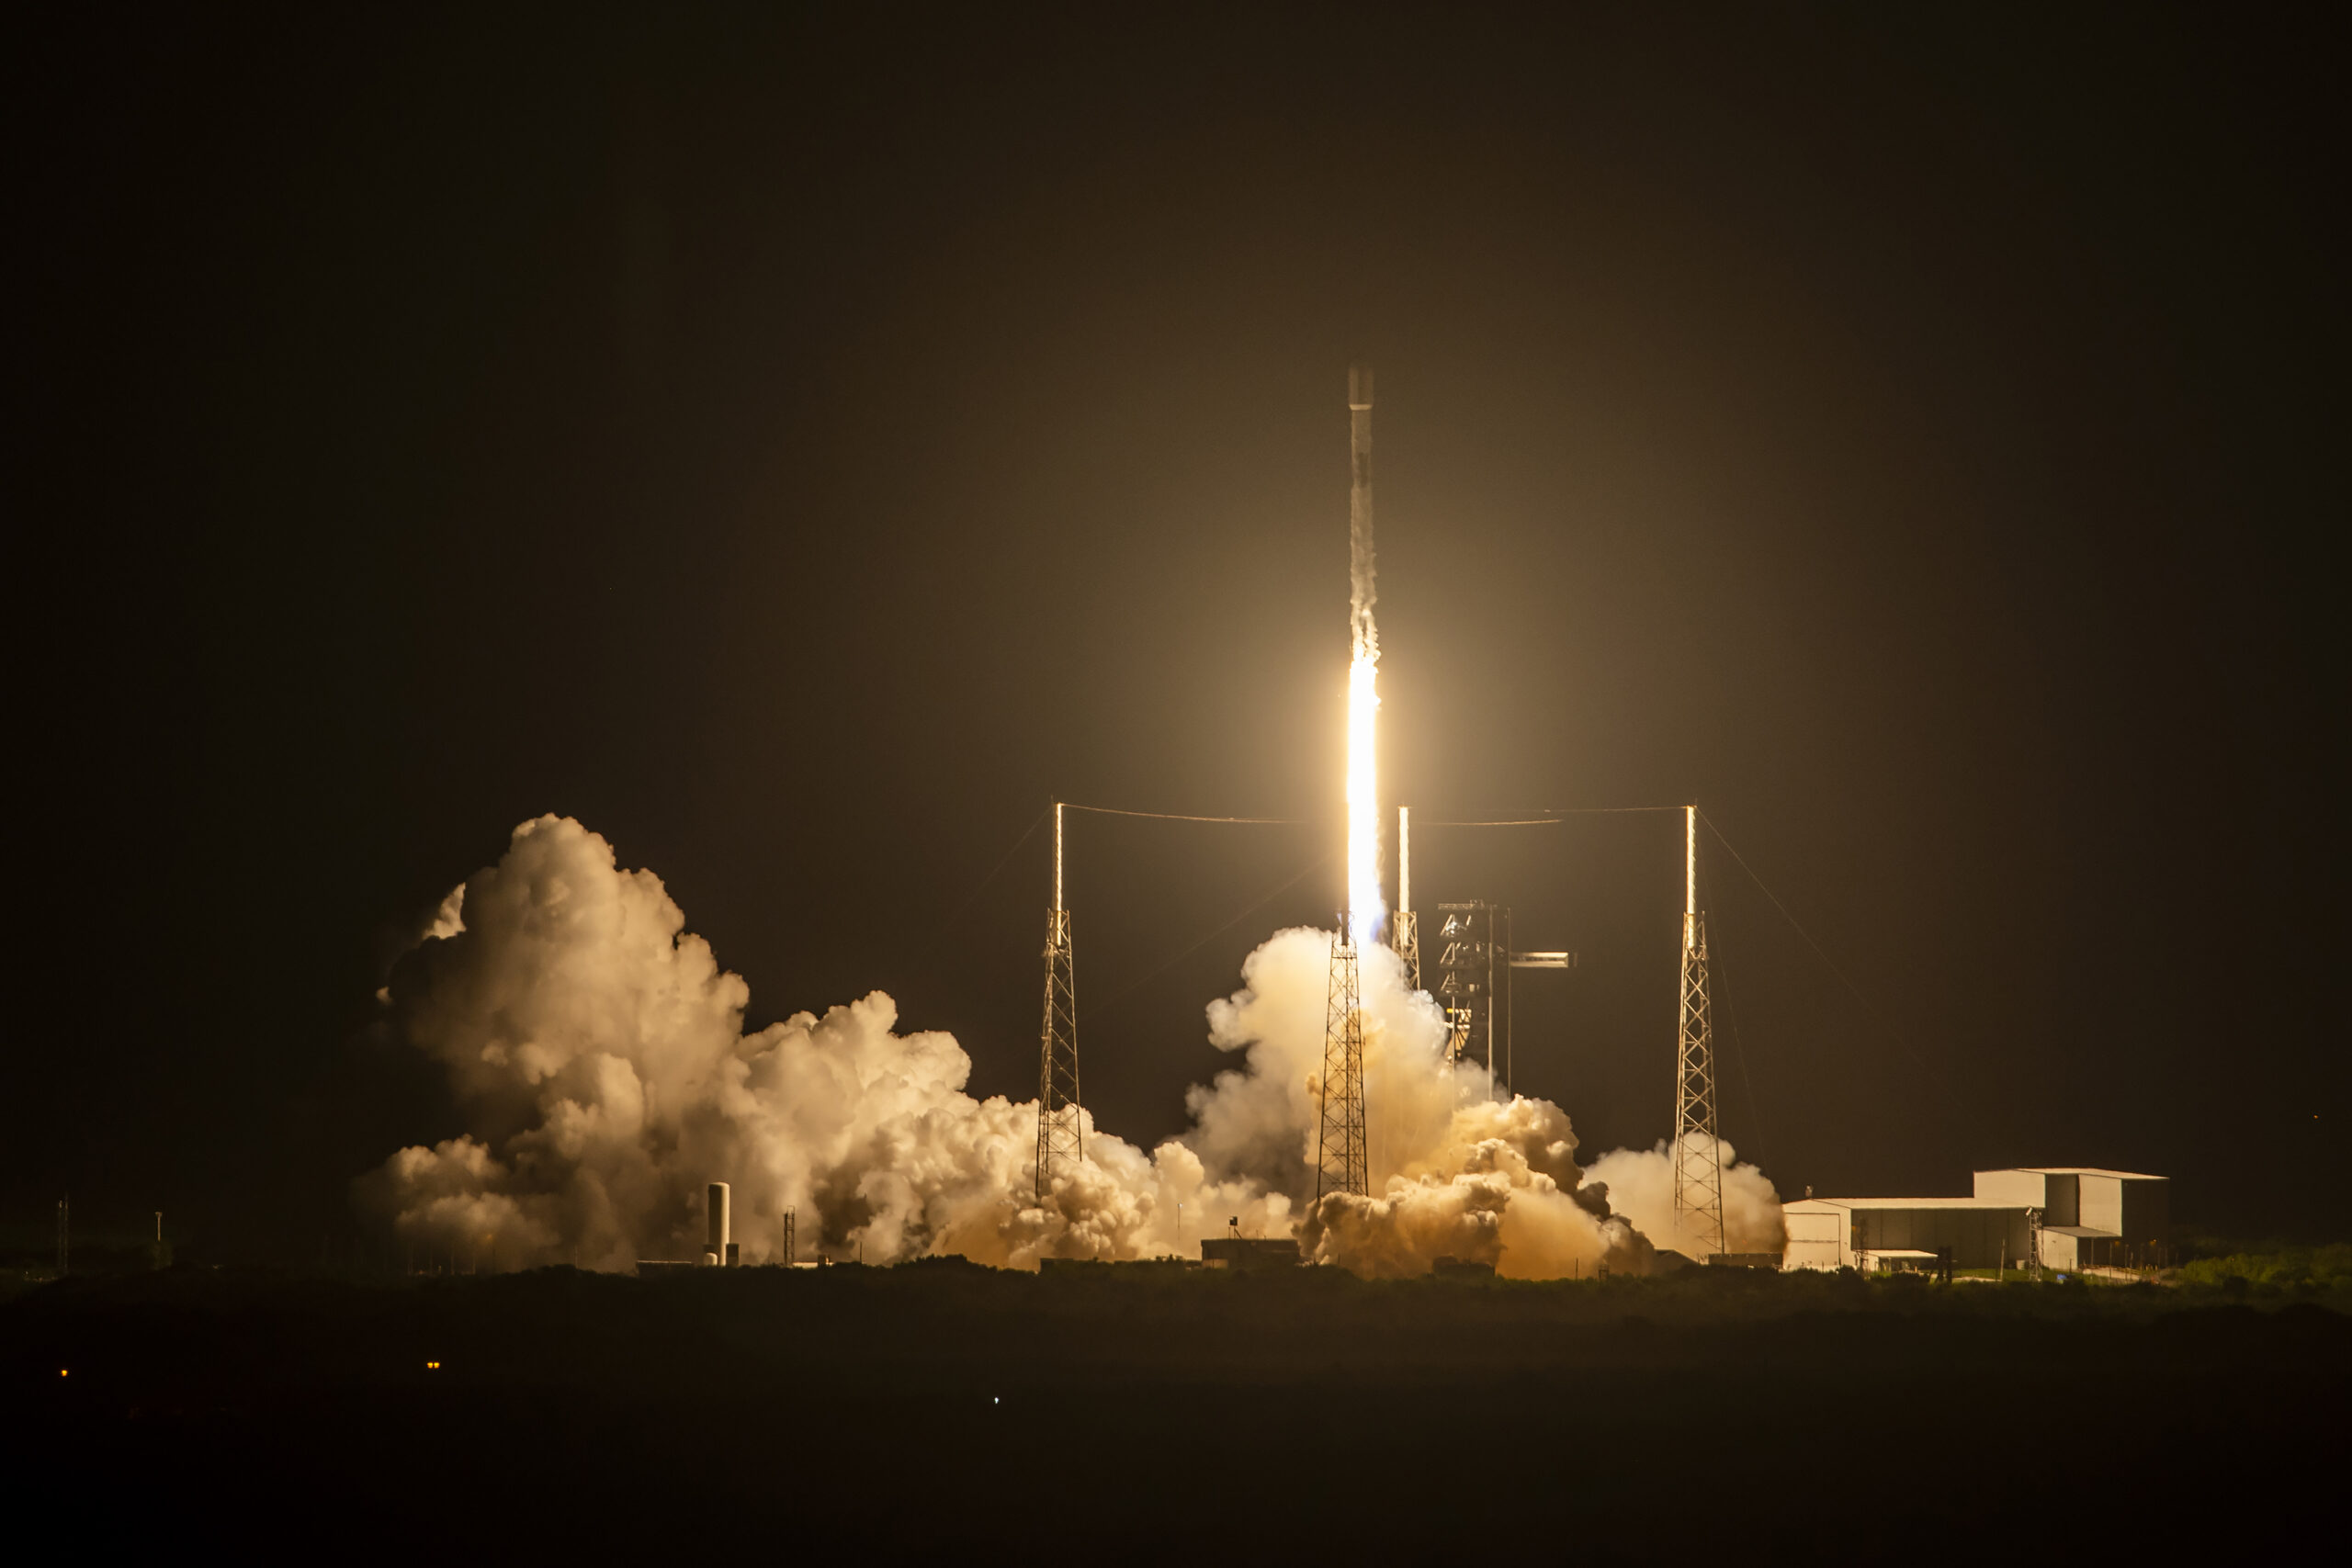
x=1474, y=981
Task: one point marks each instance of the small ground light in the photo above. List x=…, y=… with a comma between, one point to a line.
x=62, y=1371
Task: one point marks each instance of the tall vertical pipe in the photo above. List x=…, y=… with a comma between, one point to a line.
x=1404, y=857
x=1689, y=859
x=1058, y=857
x=715, y=1242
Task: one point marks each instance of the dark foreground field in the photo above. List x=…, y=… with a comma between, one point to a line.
x=1118, y=1413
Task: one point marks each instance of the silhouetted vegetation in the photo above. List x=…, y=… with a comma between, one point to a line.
x=948, y=1406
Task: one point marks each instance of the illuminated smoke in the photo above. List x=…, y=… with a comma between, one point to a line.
x=597, y=1055
x=1641, y=1187
x=1453, y=1173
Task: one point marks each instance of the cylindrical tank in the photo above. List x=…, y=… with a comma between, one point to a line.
x=716, y=1242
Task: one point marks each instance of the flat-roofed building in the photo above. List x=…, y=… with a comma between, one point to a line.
x=1851, y=1233
x=2062, y=1217
x=2090, y=1217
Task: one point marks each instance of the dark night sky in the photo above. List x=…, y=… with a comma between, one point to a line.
x=798, y=447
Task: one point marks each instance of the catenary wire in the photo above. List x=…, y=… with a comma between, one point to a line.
x=972, y=897
x=1762, y=1157
x=1265, y=898
x=1181, y=816
x=1558, y=814
x=1952, y=1096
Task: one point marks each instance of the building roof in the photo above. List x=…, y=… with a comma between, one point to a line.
x=1818, y=1205
x=2078, y=1170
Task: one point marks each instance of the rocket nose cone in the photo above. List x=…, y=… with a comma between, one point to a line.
x=1359, y=386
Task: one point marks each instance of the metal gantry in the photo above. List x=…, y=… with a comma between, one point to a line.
x=1341, y=1158
x=1473, y=983
x=1060, y=1137
x=1698, y=1155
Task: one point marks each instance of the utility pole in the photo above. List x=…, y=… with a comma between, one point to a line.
x=1698, y=1155
x=1341, y=1162
x=1059, y=1138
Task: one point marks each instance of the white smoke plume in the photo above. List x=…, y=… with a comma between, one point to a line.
x=1641, y=1187
x=598, y=1052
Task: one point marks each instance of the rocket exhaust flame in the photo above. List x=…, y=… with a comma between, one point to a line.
x=1366, y=910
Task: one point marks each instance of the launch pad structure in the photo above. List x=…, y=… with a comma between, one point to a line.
x=1474, y=960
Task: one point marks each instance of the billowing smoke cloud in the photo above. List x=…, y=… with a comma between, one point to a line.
x=1641, y=1187
x=597, y=1052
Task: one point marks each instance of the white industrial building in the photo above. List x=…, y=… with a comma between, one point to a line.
x=2062, y=1217
x=2089, y=1218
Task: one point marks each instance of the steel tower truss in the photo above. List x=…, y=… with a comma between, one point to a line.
x=1341, y=1157
x=1060, y=1137
x=1474, y=979
x=1698, y=1156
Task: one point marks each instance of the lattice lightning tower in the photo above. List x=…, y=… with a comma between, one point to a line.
x=1341, y=1160
x=1060, y=1137
x=1698, y=1156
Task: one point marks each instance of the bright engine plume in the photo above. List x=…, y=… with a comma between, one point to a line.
x=1366, y=910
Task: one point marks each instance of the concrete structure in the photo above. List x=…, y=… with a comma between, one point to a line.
x=2062, y=1217
x=2090, y=1218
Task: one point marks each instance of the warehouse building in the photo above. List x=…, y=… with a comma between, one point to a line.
x=2089, y=1218
x=2062, y=1217
x=1902, y=1233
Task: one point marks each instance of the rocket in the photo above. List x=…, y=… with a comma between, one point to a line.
x=1364, y=639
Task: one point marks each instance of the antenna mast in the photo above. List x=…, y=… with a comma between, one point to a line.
x=1060, y=1137
x=1698, y=1156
